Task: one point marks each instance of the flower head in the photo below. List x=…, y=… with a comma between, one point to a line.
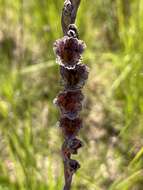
x=70, y=103
x=69, y=127
x=73, y=145
x=74, y=78
x=68, y=51
x=73, y=166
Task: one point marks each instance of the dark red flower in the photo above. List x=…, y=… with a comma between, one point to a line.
x=69, y=127
x=70, y=103
x=74, y=78
x=73, y=145
x=73, y=166
x=68, y=51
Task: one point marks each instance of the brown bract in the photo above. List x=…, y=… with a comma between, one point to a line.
x=68, y=51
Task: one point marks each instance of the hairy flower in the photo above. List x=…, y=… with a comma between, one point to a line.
x=69, y=127
x=70, y=103
x=74, y=78
x=68, y=51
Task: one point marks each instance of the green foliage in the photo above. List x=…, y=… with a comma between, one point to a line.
x=113, y=111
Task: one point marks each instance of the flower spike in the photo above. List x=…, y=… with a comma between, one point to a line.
x=68, y=51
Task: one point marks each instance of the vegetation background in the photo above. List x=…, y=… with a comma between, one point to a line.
x=112, y=158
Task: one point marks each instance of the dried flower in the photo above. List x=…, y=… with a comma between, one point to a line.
x=73, y=145
x=70, y=103
x=70, y=146
x=73, y=165
x=68, y=51
x=75, y=78
x=69, y=127
x=70, y=167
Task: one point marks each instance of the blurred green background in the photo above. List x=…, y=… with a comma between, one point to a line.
x=112, y=158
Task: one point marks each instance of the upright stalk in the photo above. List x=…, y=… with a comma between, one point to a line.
x=74, y=74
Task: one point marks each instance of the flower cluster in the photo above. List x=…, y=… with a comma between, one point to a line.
x=69, y=101
x=68, y=51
